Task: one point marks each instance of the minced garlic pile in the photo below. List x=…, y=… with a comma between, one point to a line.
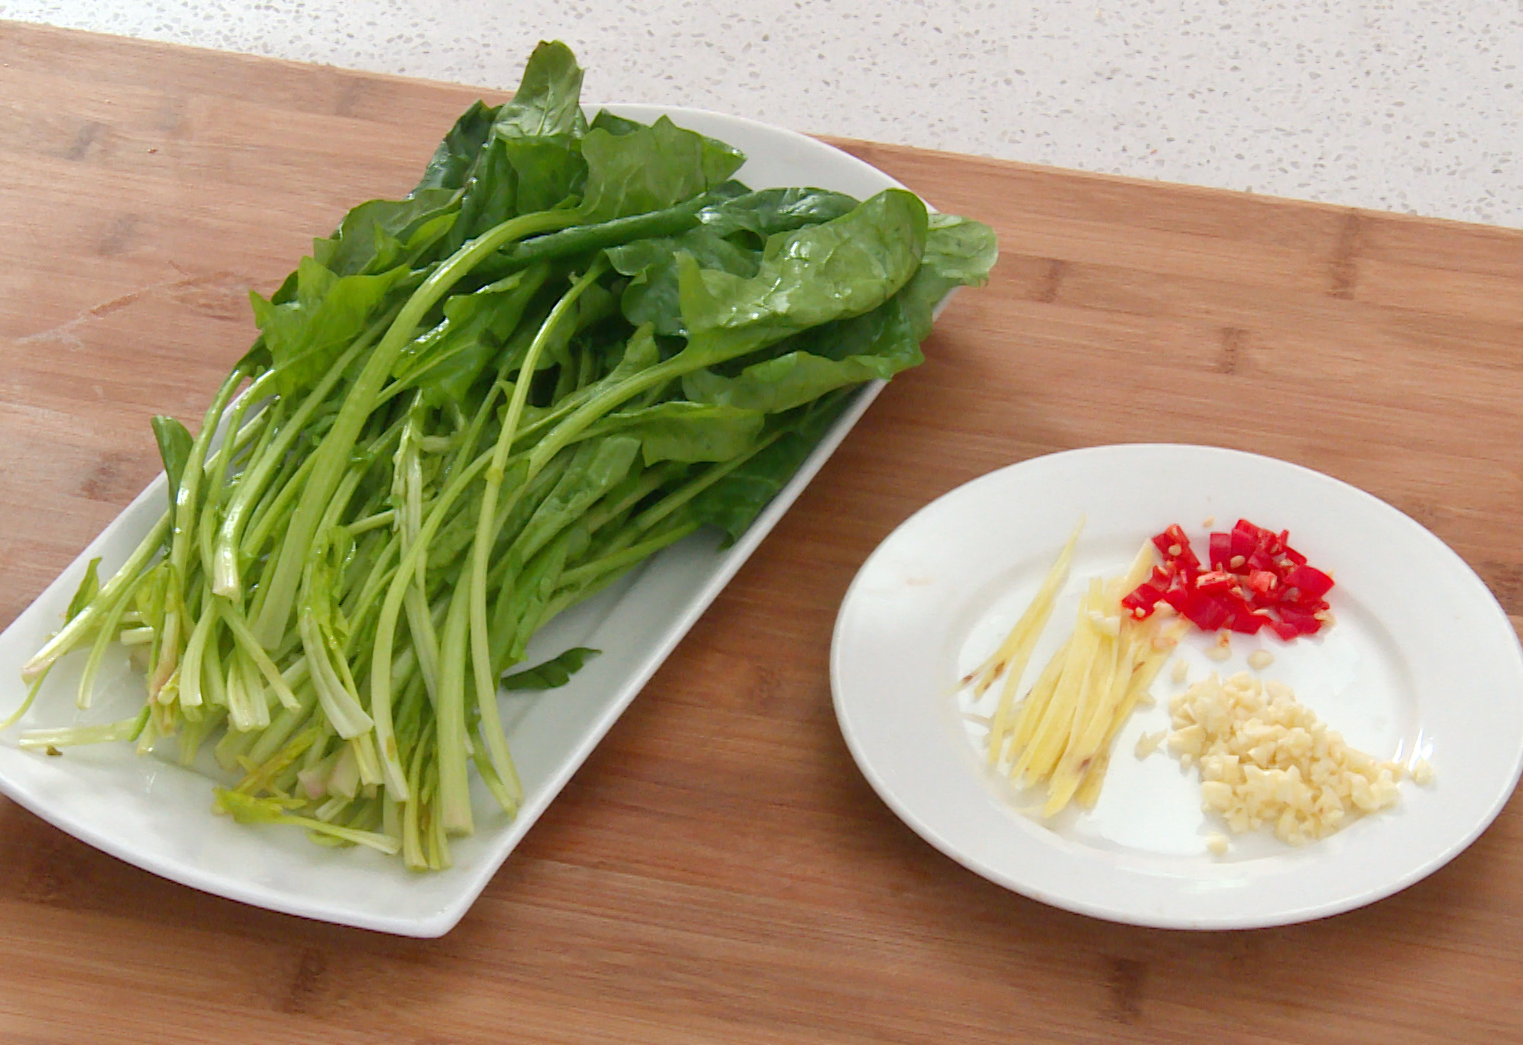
x=1264, y=758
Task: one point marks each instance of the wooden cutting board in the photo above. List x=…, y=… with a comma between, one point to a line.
x=719, y=871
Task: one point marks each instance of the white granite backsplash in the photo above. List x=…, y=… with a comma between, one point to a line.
x=1403, y=105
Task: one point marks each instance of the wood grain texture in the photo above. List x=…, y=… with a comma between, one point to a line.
x=719, y=871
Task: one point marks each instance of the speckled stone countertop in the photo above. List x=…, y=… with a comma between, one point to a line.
x=1402, y=105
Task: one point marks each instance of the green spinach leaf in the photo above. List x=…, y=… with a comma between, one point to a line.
x=594, y=469
x=652, y=293
x=734, y=502
x=814, y=275
x=380, y=234
x=452, y=160
x=548, y=171
x=552, y=673
x=548, y=99
x=650, y=168
x=89, y=587
x=677, y=430
x=174, y=450
x=447, y=360
x=306, y=335
x=766, y=212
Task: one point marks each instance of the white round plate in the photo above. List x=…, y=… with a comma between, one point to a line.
x=1422, y=662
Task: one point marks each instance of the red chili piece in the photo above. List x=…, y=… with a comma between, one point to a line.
x=1255, y=580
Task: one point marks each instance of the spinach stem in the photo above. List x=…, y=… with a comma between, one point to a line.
x=333, y=451
x=479, y=633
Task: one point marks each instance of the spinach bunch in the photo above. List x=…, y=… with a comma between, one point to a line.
x=571, y=345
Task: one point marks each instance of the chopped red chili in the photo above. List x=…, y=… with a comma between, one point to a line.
x=1255, y=580
x=1221, y=550
x=1310, y=580
x=1262, y=581
x=1216, y=582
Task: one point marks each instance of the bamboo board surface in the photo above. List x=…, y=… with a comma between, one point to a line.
x=719, y=871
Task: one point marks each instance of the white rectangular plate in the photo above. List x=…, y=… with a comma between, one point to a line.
x=151, y=812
